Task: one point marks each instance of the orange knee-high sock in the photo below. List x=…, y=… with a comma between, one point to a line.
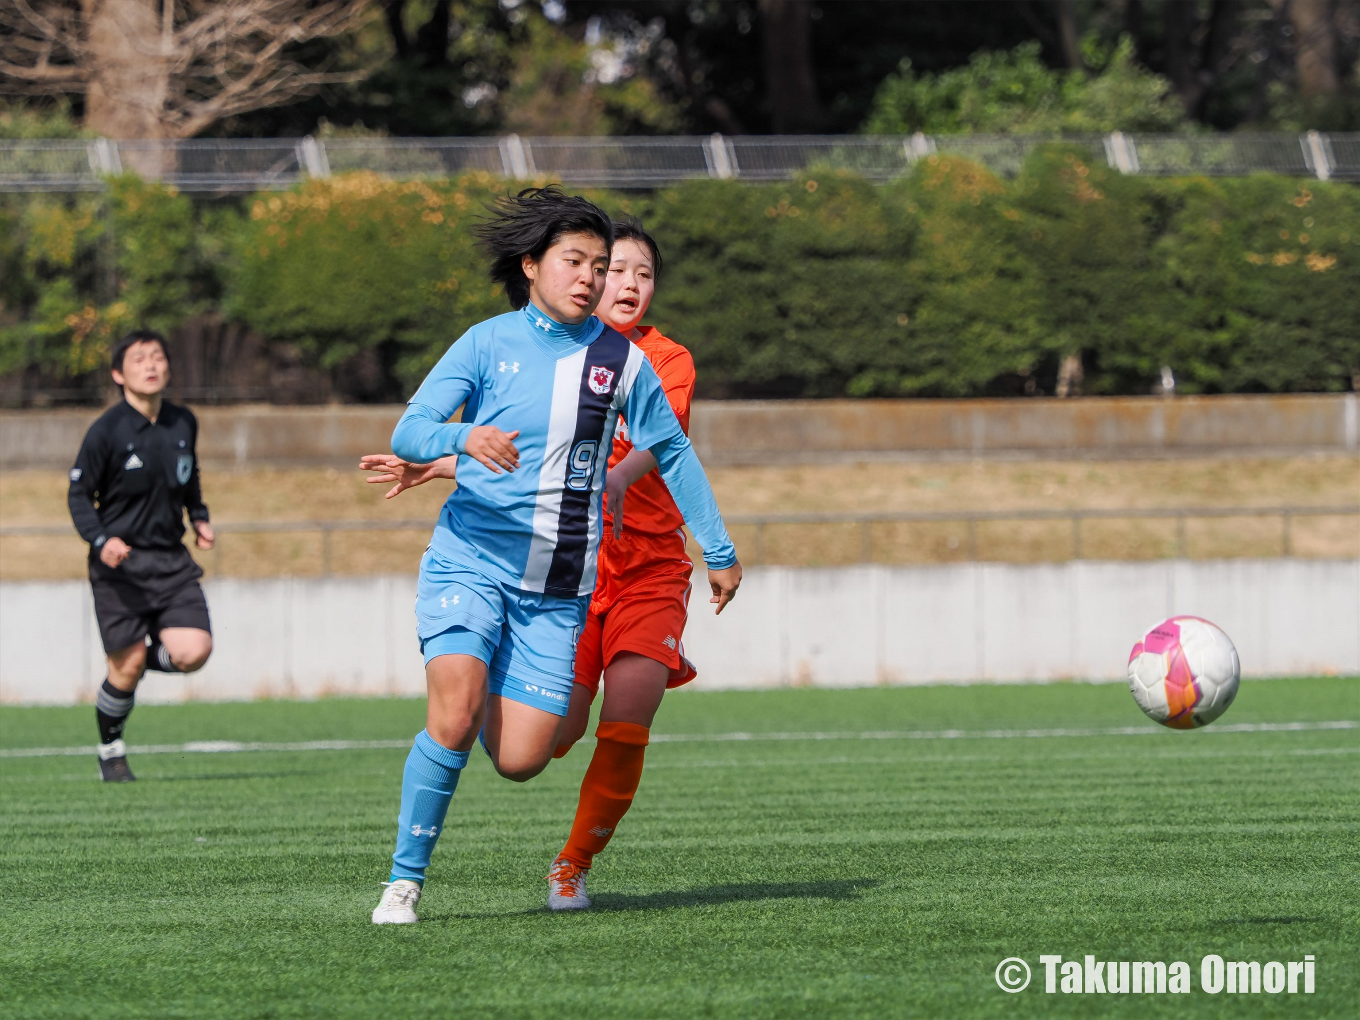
x=607, y=790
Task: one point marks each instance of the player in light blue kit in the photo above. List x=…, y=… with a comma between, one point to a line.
x=506, y=581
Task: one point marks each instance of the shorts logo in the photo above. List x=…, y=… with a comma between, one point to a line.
x=600, y=378
x=75, y=474
x=445, y=601
x=132, y=463
x=184, y=468
x=669, y=642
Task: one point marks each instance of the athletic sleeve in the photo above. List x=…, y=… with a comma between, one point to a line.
x=86, y=474
x=654, y=427
x=677, y=378
x=684, y=477
x=193, y=492
x=425, y=432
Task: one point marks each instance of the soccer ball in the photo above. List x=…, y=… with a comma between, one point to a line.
x=1184, y=672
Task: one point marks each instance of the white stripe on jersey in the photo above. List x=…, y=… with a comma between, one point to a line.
x=631, y=369
x=566, y=401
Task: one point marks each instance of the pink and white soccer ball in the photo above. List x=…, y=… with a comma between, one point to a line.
x=1184, y=672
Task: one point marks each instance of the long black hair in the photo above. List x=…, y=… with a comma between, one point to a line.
x=630, y=228
x=529, y=224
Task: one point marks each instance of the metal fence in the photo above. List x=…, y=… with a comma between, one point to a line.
x=249, y=164
x=864, y=522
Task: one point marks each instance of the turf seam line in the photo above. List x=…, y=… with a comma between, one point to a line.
x=234, y=746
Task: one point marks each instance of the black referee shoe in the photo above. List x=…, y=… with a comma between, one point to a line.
x=115, y=770
x=113, y=766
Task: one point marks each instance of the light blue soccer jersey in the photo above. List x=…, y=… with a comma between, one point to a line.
x=563, y=388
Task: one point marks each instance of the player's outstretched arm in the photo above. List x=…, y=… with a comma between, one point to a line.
x=391, y=468
x=656, y=429
x=423, y=435
x=684, y=477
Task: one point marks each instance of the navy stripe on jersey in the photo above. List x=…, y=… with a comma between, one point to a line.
x=601, y=374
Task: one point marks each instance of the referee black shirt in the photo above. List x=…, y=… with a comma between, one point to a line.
x=134, y=478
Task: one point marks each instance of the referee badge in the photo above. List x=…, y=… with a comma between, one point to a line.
x=184, y=467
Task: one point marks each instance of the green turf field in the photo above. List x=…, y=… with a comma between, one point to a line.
x=849, y=876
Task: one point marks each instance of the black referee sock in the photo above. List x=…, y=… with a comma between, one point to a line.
x=158, y=658
x=111, y=709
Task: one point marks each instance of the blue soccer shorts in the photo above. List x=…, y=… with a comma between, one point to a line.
x=527, y=639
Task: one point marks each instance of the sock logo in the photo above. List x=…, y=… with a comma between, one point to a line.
x=432, y=831
x=600, y=831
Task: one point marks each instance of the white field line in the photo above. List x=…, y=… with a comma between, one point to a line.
x=1118, y=731
x=212, y=747
x=233, y=746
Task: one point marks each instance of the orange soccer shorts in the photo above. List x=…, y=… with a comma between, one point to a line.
x=640, y=605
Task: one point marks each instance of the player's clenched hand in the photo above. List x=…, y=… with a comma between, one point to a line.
x=391, y=468
x=724, y=584
x=490, y=446
x=113, y=552
x=204, y=537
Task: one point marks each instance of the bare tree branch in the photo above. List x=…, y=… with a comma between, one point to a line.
x=29, y=41
x=172, y=66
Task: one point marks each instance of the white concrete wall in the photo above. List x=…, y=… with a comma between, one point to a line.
x=843, y=627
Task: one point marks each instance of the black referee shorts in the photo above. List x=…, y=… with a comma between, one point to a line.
x=152, y=589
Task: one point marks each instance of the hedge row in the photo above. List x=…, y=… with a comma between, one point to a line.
x=950, y=282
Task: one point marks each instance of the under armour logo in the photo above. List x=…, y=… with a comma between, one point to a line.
x=432, y=831
x=445, y=601
x=542, y=324
x=512, y=368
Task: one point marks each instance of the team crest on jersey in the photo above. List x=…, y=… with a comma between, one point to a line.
x=184, y=467
x=600, y=378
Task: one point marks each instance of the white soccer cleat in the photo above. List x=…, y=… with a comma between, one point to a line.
x=398, y=903
x=567, y=886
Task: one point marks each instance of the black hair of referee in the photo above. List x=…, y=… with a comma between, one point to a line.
x=133, y=480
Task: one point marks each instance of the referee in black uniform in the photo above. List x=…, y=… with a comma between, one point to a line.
x=135, y=475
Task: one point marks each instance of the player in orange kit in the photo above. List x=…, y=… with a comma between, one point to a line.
x=637, y=615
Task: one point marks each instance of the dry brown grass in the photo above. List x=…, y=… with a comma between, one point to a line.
x=39, y=497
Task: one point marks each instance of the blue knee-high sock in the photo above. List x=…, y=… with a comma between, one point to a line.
x=427, y=786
